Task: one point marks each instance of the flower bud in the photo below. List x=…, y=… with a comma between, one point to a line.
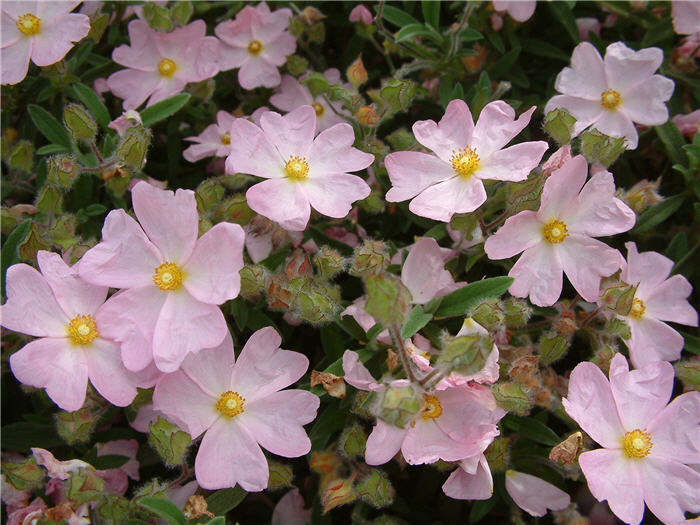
x=489, y=314
x=465, y=354
x=618, y=296
x=33, y=242
x=517, y=312
x=388, y=299
x=133, y=146
x=329, y=262
x=316, y=82
x=371, y=257
x=367, y=116
x=50, y=199
x=603, y=356
x=311, y=15
x=397, y=405
x=337, y=492
x=398, y=94
x=525, y=370
x=296, y=65
x=77, y=426
x=600, y=148
x=209, y=195
x=79, y=122
x=512, y=397
x=281, y=475
x=157, y=17
x=401, y=139
x=642, y=195
x=375, y=489
x=253, y=277
x=84, y=486
x=22, y=156
x=235, y=209
x=525, y=195
x=373, y=203
x=617, y=327
x=317, y=33
x=181, y=13
x=326, y=464
x=559, y=123
x=63, y=170
x=356, y=72
x=565, y=453
x=170, y=442
x=352, y=442
x=296, y=26
x=552, y=347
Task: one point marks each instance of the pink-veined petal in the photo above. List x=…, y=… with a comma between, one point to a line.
x=454, y=131
x=423, y=271
x=562, y=188
x=652, y=341
x=585, y=261
x=444, y=199
x=332, y=152
x=252, y=152
x=675, y=430
x=520, y=232
x=586, y=76
x=282, y=201
x=538, y=275
x=497, y=126
x=514, y=163
x=534, y=495
x=293, y=133
x=669, y=301
x=670, y=488
x=58, y=37
x=411, y=172
x=383, y=443
x=107, y=373
x=626, y=68
x=334, y=194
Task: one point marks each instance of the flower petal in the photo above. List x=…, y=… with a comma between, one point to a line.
x=424, y=272
x=626, y=68
x=645, y=103
x=356, y=374
x=617, y=124
x=291, y=94
x=58, y=37
x=652, y=341
x=585, y=261
x=107, y=373
x=586, y=76
x=133, y=86
x=332, y=152
x=454, y=131
x=463, y=485
x=211, y=368
x=534, y=495
x=520, y=232
x=252, y=152
x=291, y=134
x=514, y=163
x=383, y=443
x=15, y=61
x=674, y=430
x=538, y=275
x=669, y=301
x=334, y=194
x=585, y=111
x=256, y=72
x=282, y=201
x=670, y=489
x=648, y=269
x=411, y=172
x=497, y=126
x=444, y=199
x=562, y=188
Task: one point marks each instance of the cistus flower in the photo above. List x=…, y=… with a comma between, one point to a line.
x=290, y=510
x=161, y=64
x=257, y=42
x=535, y=495
x=214, y=141
x=71, y=317
x=41, y=31
x=519, y=10
x=647, y=444
x=559, y=236
x=173, y=281
x=239, y=406
x=360, y=13
x=302, y=171
x=685, y=15
x=449, y=181
x=658, y=298
x=688, y=124
x=613, y=93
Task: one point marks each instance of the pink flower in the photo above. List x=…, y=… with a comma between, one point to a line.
x=452, y=424
x=361, y=14
x=658, y=298
x=161, y=64
x=690, y=46
x=559, y=236
x=117, y=479
x=42, y=31
x=127, y=120
x=258, y=42
x=519, y=10
x=647, y=444
x=587, y=24
x=688, y=124
x=534, y=495
x=239, y=407
x=423, y=271
x=612, y=94
x=686, y=16
x=292, y=95
x=290, y=510
x=173, y=280
x=449, y=181
x=214, y=141
x=69, y=317
x=303, y=171
x=471, y=480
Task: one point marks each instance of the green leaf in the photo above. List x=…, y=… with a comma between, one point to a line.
x=50, y=149
x=416, y=320
x=164, y=509
x=218, y=520
x=94, y=209
x=658, y=213
x=9, y=254
x=661, y=31
x=225, y=500
x=49, y=126
x=544, y=49
x=88, y=97
x=673, y=141
x=321, y=238
x=503, y=65
x=273, y=261
x=331, y=420
x=460, y=301
x=470, y=35
x=532, y=429
x=692, y=343
x=21, y=436
x=481, y=509
x=431, y=12
x=562, y=13
x=411, y=30
x=678, y=247
x=163, y=109
x=397, y=17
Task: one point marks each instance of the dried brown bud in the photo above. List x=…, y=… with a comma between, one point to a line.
x=311, y=15
x=196, y=507
x=356, y=72
x=392, y=359
x=333, y=384
x=525, y=370
x=367, y=116
x=565, y=452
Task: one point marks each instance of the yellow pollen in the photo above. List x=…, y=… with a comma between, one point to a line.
x=431, y=408
x=168, y=276
x=167, y=67
x=465, y=161
x=610, y=99
x=297, y=168
x=318, y=108
x=82, y=330
x=226, y=139
x=555, y=231
x=29, y=24
x=255, y=47
x=637, y=444
x=638, y=309
x=230, y=404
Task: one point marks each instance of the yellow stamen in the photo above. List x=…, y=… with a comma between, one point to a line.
x=230, y=404
x=637, y=444
x=255, y=47
x=167, y=67
x=431, y=408
x=29, y=24
x=297, y=168
x=226, y=139
x=638, y=309
x=555, y=231
x=465, y=161
x=168, y=276
x=318, y=108
x=82, y=330
x=610, y=99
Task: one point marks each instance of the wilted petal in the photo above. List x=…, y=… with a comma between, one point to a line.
x=534, y=495
x=464, y=485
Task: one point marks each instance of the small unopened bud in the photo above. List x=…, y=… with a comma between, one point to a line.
x=375, y=489
x=317, y=33
x=559, y=123
x=77, y=426
x=298, y=264
x=196, y=507
x=356, y=72
x=565, y=452
x=552, y=347
x=281, y=475
x=525, y=195
x=642, y=195
x=352, y=441
x=23, y=475
x=618, y=296
x=373, y=203
x=311, y=15
x=367, y=116
x=473, y=63
x=517, y=312
x=401, y=139
x=79, y=122
x=512, y=397
x=329, y=262
x=331, y=383
x=388, y=299
x=465, y=354
x=133, y=146
x=296, y=65
x=63, y=170
x=525, y=370
x=398, y=94
x=398, y=405
x=296, y=26
x=371, y=257
x=209, y=195
x=83, y=486
x=235, y=209
x=361, y=14
x=600, y=148
x=337, y=492
x=170, y=442
x=618, y=327
x=182, y=12
x=489, y=314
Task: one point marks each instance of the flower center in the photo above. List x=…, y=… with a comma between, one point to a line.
x=82, y=330
x=638, y=309
x=29, y=24
x=168, y=276
x=226, y=138
x=167, y=67
x=637, y=444
x=296, y=168
x=431, y=408
x=610, y=99
x=230, y=404
x=318, y=108
x=555, y=231
x=465, y=161
x=255, y=47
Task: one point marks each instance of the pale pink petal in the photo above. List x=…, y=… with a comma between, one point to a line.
x=276, y=421
x=212, y=270
x=465, y=485
x=669, y=301
x=55, y=468
x=514, y=163
x=519, y=10
x=332, y=152
x=640, y=394
x=57, y=37
x=31, y=306
x=293, y=133
x=466, y=419
x=586, y=25
x=256, y=72
x=617, y=124
x=612, y=477
x=648, y=269
x=675, y=431
x=229, y=456
x=562, y=188
x=423, y=271
x=411, y=172
x=591, y=404
x=586, y=112
x=625, y=68
x=133, y=86
x=454, y=131
x=123, y=447
x=199, y=59
x=165, y=89
x=670, y=488
x=652, y=341
x=107, y=373
x=252, y=152
x=519, y=233
x=273, y=24
x=263, y=367
x=9, y=32
x=169, y=219
x=145, y=416
x=115, y=482
x=383, y=443
x=282, y=201
x=54, y=364
x=201, y=151
x=142, y=53
x=211, y=368
x=585, y=261
x=124, y=259
x=277, y=51
x=15, y=61
x=426, y=442
x=356, y=374
x=444, y=199
x=686, y=16
x=497, y=126
x=360, y=13
x=586, y=76
x=290, y=510
x=334, y=194
x=644, y=104
x=534, y=495
x=538, y=275
x=291, y=94
x=185, y=325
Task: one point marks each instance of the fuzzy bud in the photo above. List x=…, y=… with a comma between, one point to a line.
x=317, y=33
x=489, y=314
x=525, y=195
x=281, y=475
x=181, y=13
x=618, y=296
x=296, y=65
x=133, y=146
x=388, y=299
x=397, y=405
x=688, y=371
x=63, y=170
x=170, y=442
x=517, y=312
x=367, y=116
x=84, y=486
x=370, y=258
x=465, y=354
x=337, y=492
x=559, y=124
x=22, y=156
x=356, y=72
x=401, y=139
x=375, y=489
x=498, y=454
x=50, y=199
x=398, y=94
x=311, y=15
x=352, y=442
x=157, y=17
x=552, y=347
x=617, y=327
x=77, y=426
x=600, y=148
x=603, y=356
x=24, y=474
x=79, y=122
x=235, y=209
x=642, y=195
x=512, y=397
x=329, y=262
